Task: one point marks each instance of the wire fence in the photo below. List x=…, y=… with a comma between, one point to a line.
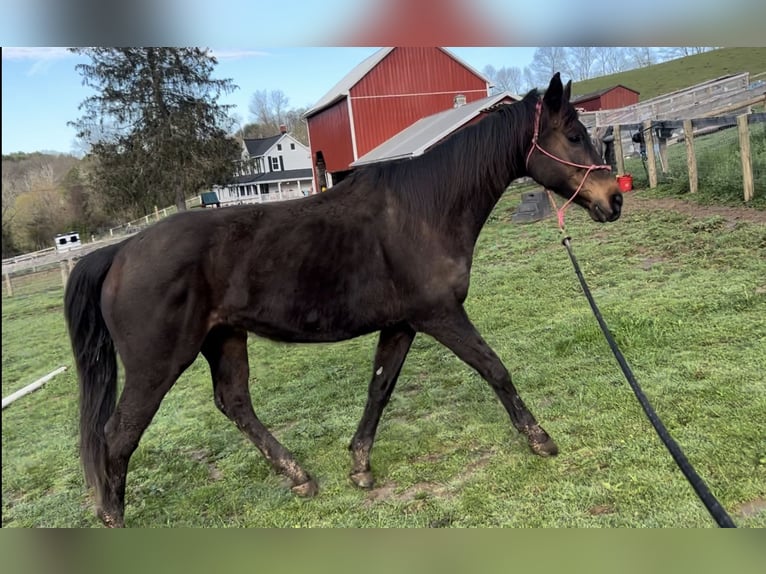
x=45, y=279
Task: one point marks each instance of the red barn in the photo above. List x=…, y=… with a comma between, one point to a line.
x=384, y=94
x=612, y=98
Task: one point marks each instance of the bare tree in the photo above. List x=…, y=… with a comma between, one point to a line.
x=610, y=60
x=505, y=79
x=641, y=57
x=582, y=60
x=529, y=79
x=546, y=62
x=11, y=176
x=269, y=111
x=673, y=53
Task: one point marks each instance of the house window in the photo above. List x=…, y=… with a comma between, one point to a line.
x=279, y=147
x=274, y=164
x=292, y=146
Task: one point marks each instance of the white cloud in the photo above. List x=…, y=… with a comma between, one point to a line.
x=36, y=53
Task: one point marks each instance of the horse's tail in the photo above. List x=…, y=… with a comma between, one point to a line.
x=95, y=357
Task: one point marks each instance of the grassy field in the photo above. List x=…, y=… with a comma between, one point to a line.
x=680, y=73
x=684, y=296
x=719, y=169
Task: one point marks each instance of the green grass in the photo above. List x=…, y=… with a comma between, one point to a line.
x=659, y=79
x=684, y=297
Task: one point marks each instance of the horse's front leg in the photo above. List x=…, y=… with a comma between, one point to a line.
x=456, y=332
x=393, y=345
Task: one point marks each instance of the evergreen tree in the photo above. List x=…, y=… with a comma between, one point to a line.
x=155, y=125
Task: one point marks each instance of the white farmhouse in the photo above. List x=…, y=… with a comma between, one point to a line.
x=271, y=169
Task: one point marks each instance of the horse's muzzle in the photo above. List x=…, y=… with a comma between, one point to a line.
x=603, y=213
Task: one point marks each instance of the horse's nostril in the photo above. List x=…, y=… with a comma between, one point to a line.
x=617, y=201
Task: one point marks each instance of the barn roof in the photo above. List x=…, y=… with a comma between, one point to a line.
x=597, y=93
x=417, y=138
x=342, y=88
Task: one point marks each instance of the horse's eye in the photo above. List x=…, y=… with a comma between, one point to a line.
x=575, y=138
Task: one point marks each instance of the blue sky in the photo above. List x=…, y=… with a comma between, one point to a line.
x=41, y=89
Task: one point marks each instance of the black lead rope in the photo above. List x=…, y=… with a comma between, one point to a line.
x=711, y=503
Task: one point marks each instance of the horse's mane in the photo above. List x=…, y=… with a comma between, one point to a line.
x=480, y=158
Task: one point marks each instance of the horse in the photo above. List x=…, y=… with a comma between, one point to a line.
x=388, y=249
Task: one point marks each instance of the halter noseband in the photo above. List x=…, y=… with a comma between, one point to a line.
x=536, y=146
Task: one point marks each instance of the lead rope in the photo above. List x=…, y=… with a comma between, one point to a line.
x=712, y=505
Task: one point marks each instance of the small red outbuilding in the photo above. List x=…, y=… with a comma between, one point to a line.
x=611, y=98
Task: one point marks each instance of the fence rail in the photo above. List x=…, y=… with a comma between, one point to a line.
x=658, y=134
x=728, y=94
x=50, y=258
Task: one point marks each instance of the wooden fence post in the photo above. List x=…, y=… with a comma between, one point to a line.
x=8, y=284
x=64, y=272
x=691, y=158
x=651, y=160
x=662, y=145
x=747, y=164
x=619, y=155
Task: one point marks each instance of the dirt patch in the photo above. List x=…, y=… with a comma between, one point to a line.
x=635, y=201
x=427, y=489
x=600, y=509
x=203, y=456
x=752, y=508
x=417, y=491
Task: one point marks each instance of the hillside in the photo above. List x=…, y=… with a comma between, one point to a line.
x=681, y=73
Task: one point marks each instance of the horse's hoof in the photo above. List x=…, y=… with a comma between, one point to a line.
x=544, y=448
x=362, y=479
x=110, y=520
x=306, y=489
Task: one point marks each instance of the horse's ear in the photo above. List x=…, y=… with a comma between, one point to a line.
x=568, y=91
x=553, y=94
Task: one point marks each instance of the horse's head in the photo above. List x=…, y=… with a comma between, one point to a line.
x=562, y=157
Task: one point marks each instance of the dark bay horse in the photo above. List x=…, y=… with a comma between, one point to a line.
x=388, y=249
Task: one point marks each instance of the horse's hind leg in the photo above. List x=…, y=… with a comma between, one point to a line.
x=140, y=399
x=393, y=346
x=225, y=349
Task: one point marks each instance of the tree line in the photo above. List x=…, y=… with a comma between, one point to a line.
x=580, y=63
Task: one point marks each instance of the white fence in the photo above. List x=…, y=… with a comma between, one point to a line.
x=50, y=257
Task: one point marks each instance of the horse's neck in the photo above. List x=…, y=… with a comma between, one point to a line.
x=499, y=172
x=483, y=201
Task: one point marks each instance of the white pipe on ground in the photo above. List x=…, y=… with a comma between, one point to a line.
x=31, y=387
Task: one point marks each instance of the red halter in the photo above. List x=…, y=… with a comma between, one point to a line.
x=536, y=146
